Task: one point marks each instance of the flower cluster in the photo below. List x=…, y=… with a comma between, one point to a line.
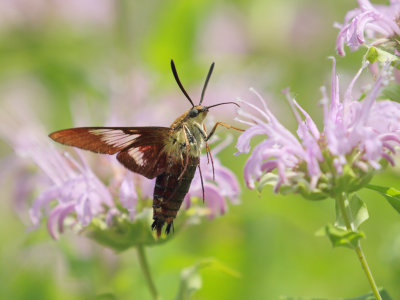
x=379, y=23
x=77, y=189
x=358, y=137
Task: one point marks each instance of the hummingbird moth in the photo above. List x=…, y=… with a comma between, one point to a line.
x=171, y=154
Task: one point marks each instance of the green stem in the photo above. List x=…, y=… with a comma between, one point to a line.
x=367, y=271
x=146, y=272
x=346, y=212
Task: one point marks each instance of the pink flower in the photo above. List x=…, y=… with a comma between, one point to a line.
x=378, y=22
x=357, y=135
x=216, y=192
x=75, y=189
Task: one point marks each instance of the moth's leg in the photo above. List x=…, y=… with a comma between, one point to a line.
x=157, y=159
x=208, y=151
x=224, y=125
x=201, y=179
x=169, y=226
x=207, y=146
x=187, y=152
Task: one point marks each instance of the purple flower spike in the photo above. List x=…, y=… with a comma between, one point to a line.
x=69, y=188
x=378, y=22
x=357, y=137
x=76, y=189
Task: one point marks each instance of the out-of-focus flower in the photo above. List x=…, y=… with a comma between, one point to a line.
x=359, y=135
x=225, y=22
x=79, y=190
x=305, y=16
x=225, y=186
x=74, y=12
x=380, y=23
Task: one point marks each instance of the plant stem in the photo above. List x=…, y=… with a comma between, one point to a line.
x=346, y=212
x=367, y=271
x=146, y=272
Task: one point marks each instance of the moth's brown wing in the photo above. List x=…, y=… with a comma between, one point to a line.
x=147, y=155
x=147, y=160
x=141, y=148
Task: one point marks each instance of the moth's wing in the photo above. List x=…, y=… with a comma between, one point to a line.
x=141, y=148
x=107, y=140
x=147, y=155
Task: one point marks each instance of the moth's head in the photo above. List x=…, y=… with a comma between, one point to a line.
x=198, y=112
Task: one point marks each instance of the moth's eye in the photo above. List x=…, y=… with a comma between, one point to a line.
x=193, y=113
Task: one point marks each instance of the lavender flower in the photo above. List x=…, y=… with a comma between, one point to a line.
x=84, y=191
x=379, y=23
x=358, y=137
x=77, y=190
x=225, y=186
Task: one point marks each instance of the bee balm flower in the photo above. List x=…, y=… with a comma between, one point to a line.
x=379, y=23
x=357, y=138
x=102, y=195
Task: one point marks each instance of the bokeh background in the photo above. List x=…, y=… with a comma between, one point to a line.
x=65, y=61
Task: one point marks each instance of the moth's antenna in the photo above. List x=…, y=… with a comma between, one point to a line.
x=179, y=82
x=206, y=82
x=223, y=104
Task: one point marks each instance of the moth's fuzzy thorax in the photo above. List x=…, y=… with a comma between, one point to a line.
x=188, y=127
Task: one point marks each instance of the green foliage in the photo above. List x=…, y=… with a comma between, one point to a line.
x=191, y=279
x=374, y=54
x=392, y=195
x=125, y=234
x=345, y=233
x=340, y=237
x=391, y=92
x=357, y=210
x=384, y=294
x=371, y=55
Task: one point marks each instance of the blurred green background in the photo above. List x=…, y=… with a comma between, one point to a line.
x=55, y=53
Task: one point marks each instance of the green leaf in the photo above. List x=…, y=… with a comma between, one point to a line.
x=358, y=210
x=376, y=54
x=340, y=237
x=370, y=296
x=190, y=283
x=391, y=92
x=191, y=279
x=384, y=294
x=371, y=55
x=391, y=194
x=123, y=233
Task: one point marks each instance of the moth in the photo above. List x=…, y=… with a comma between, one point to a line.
x=171, y=154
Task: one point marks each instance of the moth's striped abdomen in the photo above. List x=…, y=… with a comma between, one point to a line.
x=169, y=192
